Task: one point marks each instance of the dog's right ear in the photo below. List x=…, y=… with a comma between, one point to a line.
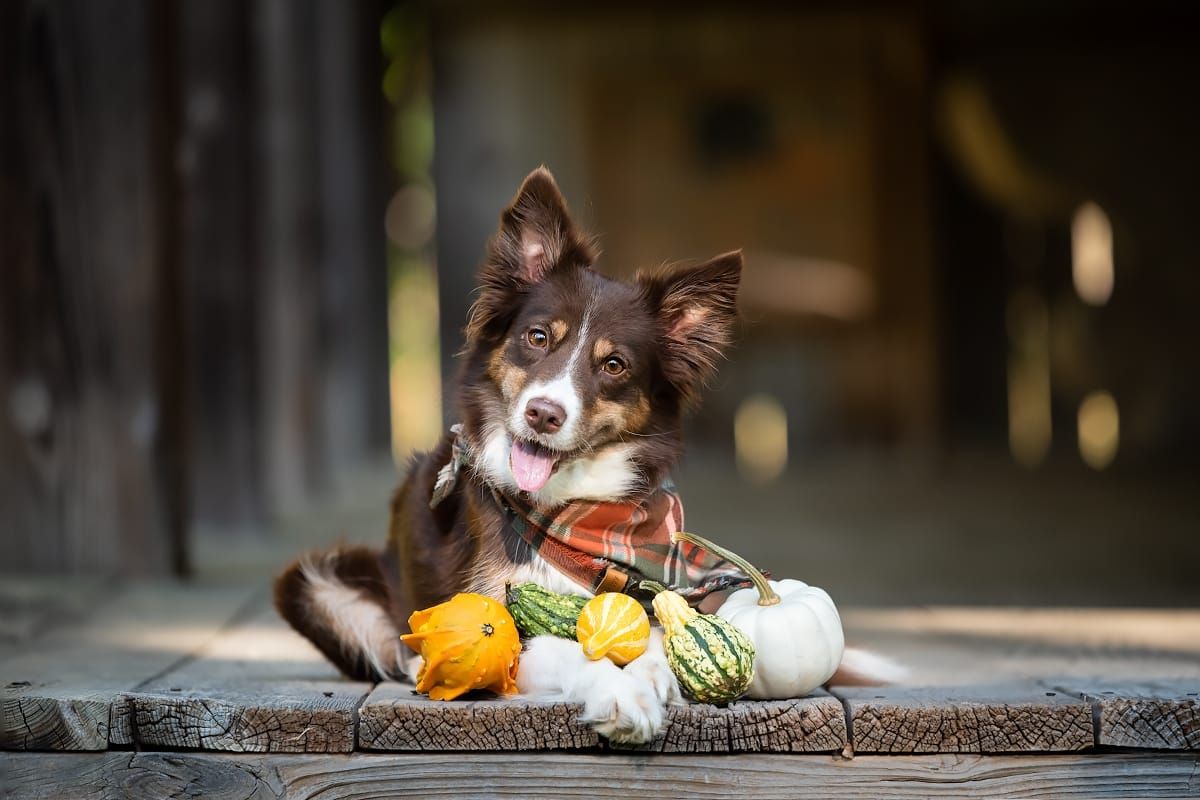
x=536, y=236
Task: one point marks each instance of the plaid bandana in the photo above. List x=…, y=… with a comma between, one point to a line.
x=610, y=547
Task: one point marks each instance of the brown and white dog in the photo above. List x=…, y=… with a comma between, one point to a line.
x=573, y=386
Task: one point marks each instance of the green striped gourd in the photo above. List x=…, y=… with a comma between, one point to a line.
x=713, y=660
x=540, y=612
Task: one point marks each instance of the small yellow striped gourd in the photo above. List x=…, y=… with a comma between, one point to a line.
x=614, y=625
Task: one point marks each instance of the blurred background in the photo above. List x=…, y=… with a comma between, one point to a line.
x=238, y=243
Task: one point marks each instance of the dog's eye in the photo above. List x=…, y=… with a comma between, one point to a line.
x=537, y=338
x=613, y=365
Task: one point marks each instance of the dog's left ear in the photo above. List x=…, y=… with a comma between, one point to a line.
x=535, y=237
x=696, y=308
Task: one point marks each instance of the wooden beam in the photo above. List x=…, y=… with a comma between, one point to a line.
x=1159, y=714
x=288, y=717
x=1004, y=718
x=256, y=687
x=50, y=775
x=394, y=717
x=63, y=691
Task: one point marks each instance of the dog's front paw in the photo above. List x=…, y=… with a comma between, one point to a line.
x=624, y=708
x=623, y=705
x=652, y=668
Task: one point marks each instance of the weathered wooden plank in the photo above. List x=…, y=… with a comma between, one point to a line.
x=32, y=607
x=29, y=776
x=258, y=687
x=947, y=646
x=305, y=717
x=131, y=775
x=806, y=725
x=394, y=717
x=1005, y=718
x=58, y=692
x=1147, y=713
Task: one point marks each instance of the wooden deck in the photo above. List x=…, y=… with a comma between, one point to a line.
x=148, y=689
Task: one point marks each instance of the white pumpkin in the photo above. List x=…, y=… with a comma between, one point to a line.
x=795, y=628
x=798, y=641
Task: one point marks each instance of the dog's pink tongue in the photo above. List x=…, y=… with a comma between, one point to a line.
x=531, y=466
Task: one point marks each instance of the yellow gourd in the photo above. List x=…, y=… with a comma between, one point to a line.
x=613, y=625
x=468, y=642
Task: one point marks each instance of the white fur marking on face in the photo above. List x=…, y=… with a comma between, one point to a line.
x=608, y=474
x=561, y=390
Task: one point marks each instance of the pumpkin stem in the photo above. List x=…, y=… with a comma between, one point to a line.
x=652, y=586
x=766, y=595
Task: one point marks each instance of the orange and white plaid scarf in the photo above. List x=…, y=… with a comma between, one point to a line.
x=609, y=547
x=612, y=547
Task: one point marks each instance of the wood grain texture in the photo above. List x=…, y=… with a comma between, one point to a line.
x=217, y=255
x=40, y=717
x=88, y=449
x=806, y=725
x=949, y=646
x=32, y=607
x=63, y=691
x=52, y=776
x=1006, y=718
x=27, y=776
x=256, y=687
x=395, y=718
x=309, y=717
x=1160, y=714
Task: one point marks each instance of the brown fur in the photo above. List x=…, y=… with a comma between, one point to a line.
x=558, y=329
x=669, y=328
x=509, y=377
x=357, y=568
x=602, y=349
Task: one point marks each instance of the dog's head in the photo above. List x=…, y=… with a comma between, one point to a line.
x=574, y=384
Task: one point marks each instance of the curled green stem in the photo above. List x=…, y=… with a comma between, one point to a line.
x=766, y=595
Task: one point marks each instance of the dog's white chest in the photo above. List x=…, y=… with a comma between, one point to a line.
x=546, y=575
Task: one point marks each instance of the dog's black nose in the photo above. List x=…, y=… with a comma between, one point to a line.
x=544, y=416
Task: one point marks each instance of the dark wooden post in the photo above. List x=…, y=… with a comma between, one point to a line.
x=289, y=340
x=353, y=259
x=216, y=160
x=92, y=442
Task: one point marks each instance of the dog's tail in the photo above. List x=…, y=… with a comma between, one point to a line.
x=338, y=600
x=865, y=668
